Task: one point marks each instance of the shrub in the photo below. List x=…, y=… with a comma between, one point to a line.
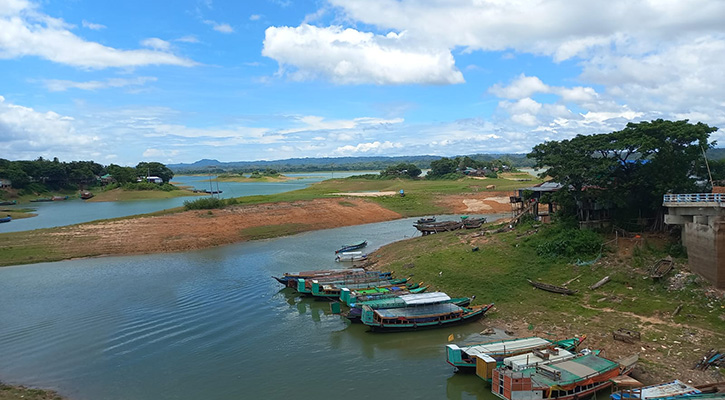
x=560, y=241
x=205, y=203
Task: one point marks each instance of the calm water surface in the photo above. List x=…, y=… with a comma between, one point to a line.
x=74, y=211
x=213, y=324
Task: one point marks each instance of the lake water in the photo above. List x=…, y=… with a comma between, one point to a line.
x=213, y=324
x=74, y=211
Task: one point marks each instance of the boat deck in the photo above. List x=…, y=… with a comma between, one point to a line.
x=506, y=346
x=571, y=371
x=418, y=311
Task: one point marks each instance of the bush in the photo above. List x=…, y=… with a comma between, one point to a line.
x=205, y=203
x=560, y=241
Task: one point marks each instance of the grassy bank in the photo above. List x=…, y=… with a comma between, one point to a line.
x=119, y=194
x=498, y=272
x=8, y=392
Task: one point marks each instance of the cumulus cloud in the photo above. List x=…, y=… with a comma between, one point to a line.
x=188, y=39
x=25, y=31
x=374, y=147
x=156, y=44
x=255, y=17
x=348, y=56
x=26, y=133
x=58, y=85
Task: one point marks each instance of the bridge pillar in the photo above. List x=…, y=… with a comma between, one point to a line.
x=702, y=217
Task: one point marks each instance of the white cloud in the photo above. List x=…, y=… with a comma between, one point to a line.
x=152, y=153
x=219, y=27
x=348, y=56
x=91, y=25
x=156, y=44
x=524, y=86
x=57, y=85
x=255, y=17
x=374, y=147
x=188, y=39
x=24, y=31
x=26, y=133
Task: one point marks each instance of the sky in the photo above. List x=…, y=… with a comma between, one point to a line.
x=178, y=81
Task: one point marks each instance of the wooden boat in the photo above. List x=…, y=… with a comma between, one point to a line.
x=661, y=268
x=571, y=379
x=6, y=219
x=426, y=220
x=208, y=191
x=304, y=286
x=435, y=227
x=669, y=390
x=351, y=256
x=350, y=247
x=333, y=290
x=350, y=296
x=59, y=198
x=290, y=279
x=474, y=223
x=8, y=203
x=42, y=199
x=86, y=195
x=406, y=300
x=551, y=288
x=464, y=357
x=420, y=317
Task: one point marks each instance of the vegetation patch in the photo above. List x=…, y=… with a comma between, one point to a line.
x=272, y=231
x=8, y=392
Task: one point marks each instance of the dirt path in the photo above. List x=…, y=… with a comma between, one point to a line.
x=477, y=203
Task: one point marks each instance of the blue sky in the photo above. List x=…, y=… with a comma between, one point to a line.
x=178, y=81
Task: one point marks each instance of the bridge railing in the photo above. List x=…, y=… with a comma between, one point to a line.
x=694, y=198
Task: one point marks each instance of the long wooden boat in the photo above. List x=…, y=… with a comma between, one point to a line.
x=41, y=199
x=290, y=279
x=474, y=223
x=551, y=288
x=576, y=378
x=304, y=286
x=350, y=296
x=425, y=220
x=332, y=290
x=59, y=198
x=8, y=203
x=464, y=357
x=420, y=317
x=661, y=268
x=6, y=219
x=669, y=390
x=350, y=247
x=351, y=256
x=406, y=300
x=86, y=195
x=435, y=227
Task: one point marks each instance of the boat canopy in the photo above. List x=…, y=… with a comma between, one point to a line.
x=506, y=346
x=407, y=312
x=424, y=298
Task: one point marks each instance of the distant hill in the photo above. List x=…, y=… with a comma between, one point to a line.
x=332, y=163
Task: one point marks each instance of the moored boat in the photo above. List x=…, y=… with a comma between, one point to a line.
x=464, y=357
x=8, y=203
x=6, y=219
x=435, y=227
x=661, y=268
x=351, y=256
x=551, y=288
x=59, y=198
x=425, y=220
x=669, y=390
x=304, y=286
x=85, y=195
x=290, y=279
x=352, y=296
x=333, y=290
x=39, y=199
x=571, y=379
x=406, y=300
x=350, y=247
x=420, y=317
x=473, y=223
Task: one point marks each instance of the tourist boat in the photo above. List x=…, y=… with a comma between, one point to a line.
x=435, y=227
x=425, y=220
x=304, y=286
x=353, y=296
x=332, y=290
x=6, y=219
x=406, y=300
x=474, y=223
x=8, y=203
x=351, y=256
x=350, y=247
x=290, y=279
x=464, y=357
x=86, y=195
x=669, y=390
x=59, y=198
x=420, y=317
x=551, y=288
x=576, y=378
x=661, y=268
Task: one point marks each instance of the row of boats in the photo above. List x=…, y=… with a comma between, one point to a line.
x=529, y=368
x=384, y=303
x=428, y=225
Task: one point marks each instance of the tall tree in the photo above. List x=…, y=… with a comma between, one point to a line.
x=155, y=169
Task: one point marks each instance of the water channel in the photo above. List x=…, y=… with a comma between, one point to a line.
x=213, y=324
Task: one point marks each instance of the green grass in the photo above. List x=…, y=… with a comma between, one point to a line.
x=8, y=392
x=272, y=231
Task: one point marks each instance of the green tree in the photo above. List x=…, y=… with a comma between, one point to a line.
x=122, y=174
x=155, y=169
x=402, y=169
x=629, y=169
x=444, y=166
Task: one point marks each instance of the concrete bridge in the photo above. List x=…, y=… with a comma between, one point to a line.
x=702, y=216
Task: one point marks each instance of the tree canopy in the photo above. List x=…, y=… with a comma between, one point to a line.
x=402, y=170
x=629, y=169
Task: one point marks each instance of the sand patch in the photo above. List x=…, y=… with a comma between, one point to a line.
x=474, y=205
